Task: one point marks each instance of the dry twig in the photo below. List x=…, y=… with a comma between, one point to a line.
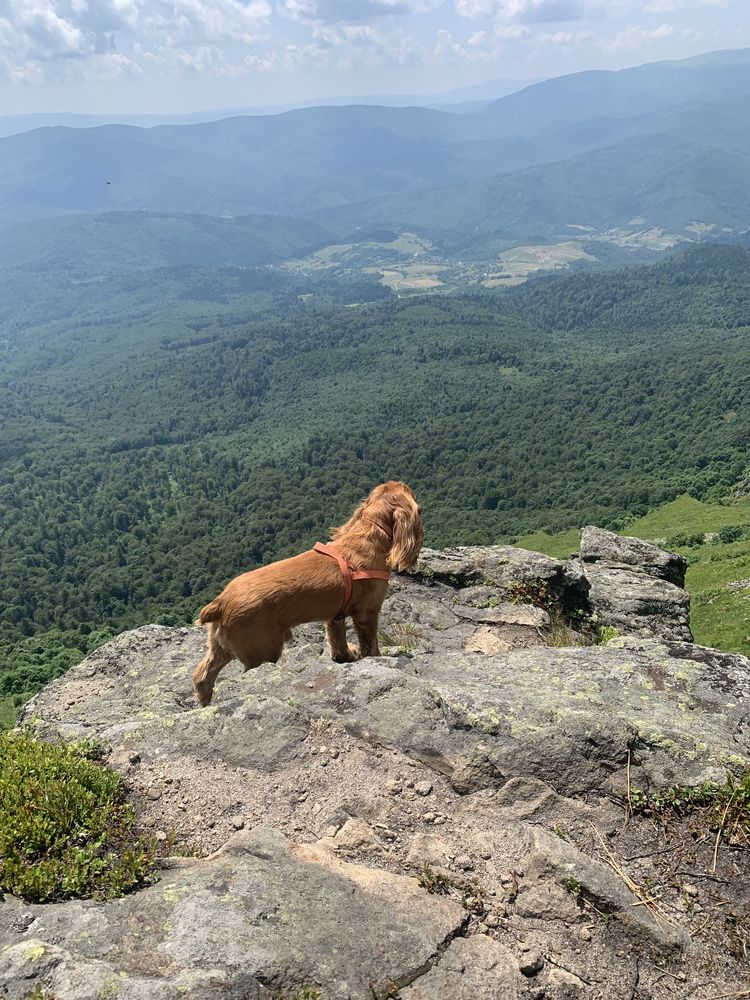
x=645, y=898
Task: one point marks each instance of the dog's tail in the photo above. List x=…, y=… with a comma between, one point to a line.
x=211, y=612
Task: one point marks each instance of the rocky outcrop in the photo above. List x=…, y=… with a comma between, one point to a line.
x=634, y=586
x=446, y=820
x=623, y=582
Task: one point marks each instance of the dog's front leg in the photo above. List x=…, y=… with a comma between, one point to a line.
x=341, y=651
x=366, y=627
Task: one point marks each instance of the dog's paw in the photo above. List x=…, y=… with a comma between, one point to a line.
x=351, y=654
x=203, y=694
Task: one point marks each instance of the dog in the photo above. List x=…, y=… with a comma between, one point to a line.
x=253, y=616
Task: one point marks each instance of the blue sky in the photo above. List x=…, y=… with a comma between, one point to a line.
x=183, y=55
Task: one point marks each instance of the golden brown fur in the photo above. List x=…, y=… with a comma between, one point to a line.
x=253, y=616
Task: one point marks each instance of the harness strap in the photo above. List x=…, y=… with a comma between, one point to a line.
x=348, y=575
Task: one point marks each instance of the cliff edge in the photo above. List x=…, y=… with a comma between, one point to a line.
x=451, y=820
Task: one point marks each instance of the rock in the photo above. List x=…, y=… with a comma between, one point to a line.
x=565, y=715
x=475, y=968
x=426, y=848
x=505, y=614
x=634, y=586
x=488, y=642
x=531, y=963
x=599, y=546
x=548, y=902
x=355, y=835
x=587, y=878
x=534, y=738
x=262, y=911
x=498, y=565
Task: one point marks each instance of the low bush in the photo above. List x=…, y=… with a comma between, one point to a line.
x=724, y=809
x=66, y=828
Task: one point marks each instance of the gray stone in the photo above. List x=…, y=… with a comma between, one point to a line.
x=567, y=716
x=506, y=614
x=515, y=736
x=487, y=642
x=531, y=963
x=264, y=911
x=635, y=587
x=623, y=552
x=497, y=565
x=475, y=968
x=585, y=877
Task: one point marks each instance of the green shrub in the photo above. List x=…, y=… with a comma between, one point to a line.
x=684, y=540
x=725, y=809
x=728, y=533
x=65, y=827
x=605, y=634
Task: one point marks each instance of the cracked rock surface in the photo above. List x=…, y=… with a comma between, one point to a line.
x=446, y=821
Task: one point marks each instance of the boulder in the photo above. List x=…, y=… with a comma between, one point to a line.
x=634, y=586
x=260, y=917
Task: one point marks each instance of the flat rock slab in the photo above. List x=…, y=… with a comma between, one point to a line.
x=569, y=715
x=262, y=915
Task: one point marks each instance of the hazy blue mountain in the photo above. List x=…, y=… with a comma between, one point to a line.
x=664, y=181
x=471, y=98
x=561, y=102
x=522, y=164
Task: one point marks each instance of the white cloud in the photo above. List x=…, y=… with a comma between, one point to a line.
x=565, y=37
x=528, y=11
x=511, y=32
x=352, y=11
x=41, y=39
x=634, y=37
x=660, y=7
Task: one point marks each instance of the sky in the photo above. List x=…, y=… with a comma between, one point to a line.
x=171, y=56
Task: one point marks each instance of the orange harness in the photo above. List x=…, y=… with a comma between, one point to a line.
x=349, y=575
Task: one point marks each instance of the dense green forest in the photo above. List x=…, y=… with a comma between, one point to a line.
x=162, y=432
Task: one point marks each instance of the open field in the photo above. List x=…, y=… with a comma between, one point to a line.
x=515, y=266
x=411, y=277
x=354, y=255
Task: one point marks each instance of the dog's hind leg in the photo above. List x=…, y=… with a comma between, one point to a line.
x=341, y=651
x=366, y=627
x=205, y=674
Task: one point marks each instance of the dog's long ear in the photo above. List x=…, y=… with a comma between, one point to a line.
x=408, y=535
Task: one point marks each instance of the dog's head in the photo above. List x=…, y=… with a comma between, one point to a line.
x=393, y=507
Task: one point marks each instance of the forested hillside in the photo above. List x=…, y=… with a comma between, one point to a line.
x=162, y=432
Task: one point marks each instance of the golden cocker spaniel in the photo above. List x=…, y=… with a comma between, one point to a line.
x=253, y=616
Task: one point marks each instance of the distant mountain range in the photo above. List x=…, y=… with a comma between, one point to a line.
x=667, y=143
x=470, y=98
